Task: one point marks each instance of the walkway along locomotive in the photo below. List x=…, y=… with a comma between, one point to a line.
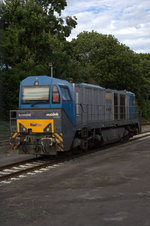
x=55, y=116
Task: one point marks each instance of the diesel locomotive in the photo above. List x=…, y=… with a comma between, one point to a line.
x=56, y=116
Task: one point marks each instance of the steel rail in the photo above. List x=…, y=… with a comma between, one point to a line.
x=15, y=164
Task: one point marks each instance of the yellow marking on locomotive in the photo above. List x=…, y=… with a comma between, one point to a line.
x=58, y=136
x=15, y=147
x=62, y=145
x=15, y=134
x=60, y=148
x=37, y=125
x=59, y=141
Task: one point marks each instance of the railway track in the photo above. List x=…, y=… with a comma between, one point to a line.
x=19, y=168
x=38, y=165
x=4, y=141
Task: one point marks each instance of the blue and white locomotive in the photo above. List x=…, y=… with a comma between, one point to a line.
x=56, y=116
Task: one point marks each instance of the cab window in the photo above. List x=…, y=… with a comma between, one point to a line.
x=65, y=93
x=35, y=94
x=55, y=95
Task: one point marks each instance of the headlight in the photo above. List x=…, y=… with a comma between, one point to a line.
x=22, y=128
x=48, y=128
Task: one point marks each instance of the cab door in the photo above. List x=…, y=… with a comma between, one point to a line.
x=132, y=105
x=68, y=102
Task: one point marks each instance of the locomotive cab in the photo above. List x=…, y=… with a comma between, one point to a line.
x=46, y=109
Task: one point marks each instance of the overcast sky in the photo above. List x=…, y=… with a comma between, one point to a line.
x=127, y=20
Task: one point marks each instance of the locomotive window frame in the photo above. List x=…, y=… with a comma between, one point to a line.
x=66, y=96
x=35, y=100
x=55, y=94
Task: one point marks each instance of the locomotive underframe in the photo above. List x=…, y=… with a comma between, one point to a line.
x=98, y=134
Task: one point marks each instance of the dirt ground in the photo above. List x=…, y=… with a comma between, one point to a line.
x=111, y=187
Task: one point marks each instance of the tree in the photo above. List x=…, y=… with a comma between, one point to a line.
x=33, y=35
x=104, y=60
x=144, y=94
x=35, y=41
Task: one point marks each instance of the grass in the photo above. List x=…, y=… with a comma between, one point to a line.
x=4, y=129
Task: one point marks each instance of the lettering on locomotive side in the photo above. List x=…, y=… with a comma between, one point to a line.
x=31, y=124
x=25, y=115
x=52, y=114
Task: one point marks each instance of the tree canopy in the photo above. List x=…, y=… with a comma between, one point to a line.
x=102, y=60
x=31, y=30
x=33, y=35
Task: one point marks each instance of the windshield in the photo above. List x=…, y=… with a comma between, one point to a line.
x=35, y=94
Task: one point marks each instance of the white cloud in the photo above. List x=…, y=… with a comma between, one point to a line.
x=128, y=20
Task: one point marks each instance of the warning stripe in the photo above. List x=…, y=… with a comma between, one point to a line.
x=61, y=149
x=15, y=147
x=15, y=134
x=59, y=136
x=59, y=141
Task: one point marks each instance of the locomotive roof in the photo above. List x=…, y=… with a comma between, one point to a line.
x=88, y=85
x=50, y=80
x=44, y=79
x=120, y=91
